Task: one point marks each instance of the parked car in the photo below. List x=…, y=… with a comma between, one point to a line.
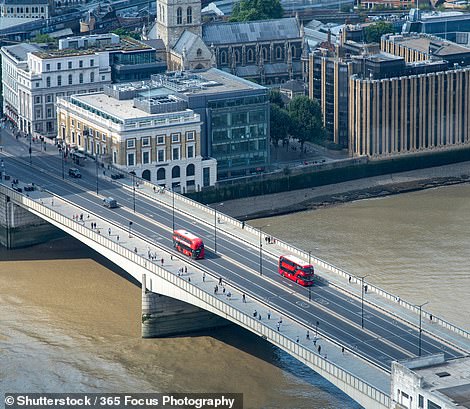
x=75, y=173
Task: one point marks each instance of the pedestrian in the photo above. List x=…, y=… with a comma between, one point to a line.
x=117, y=237
x=220, y=280
x=342, y=350
x=154, y=189
x=189, y=279
x=171, y=256
x=109, y=231
x=365, y=288
x=203, y=277
x=255, y=313
x=308, y=335
x=269, y=315
x=185, y=269
x=223, y=290
x=135, y=250
x=218, y=220
x=81, y=217
x=88, y=216
x=349, y=279
x=319, y=348
x=243, y=297
x=162, y=261
x=280, y=320
x=52, y=202
x=259, y=317
x=278, y=326
x=315, y=341
x=297, y=340
x=243, y=225
x=229, y=295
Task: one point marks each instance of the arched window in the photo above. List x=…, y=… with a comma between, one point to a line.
x=199, y=52
x=175, y=172
x=92, y=77
x=237, y=57
x=42, y=9
x=264, y=53
x=189, y=15
x=250, y=55
x=179, y=16
x=146, y=174
x=223, y=57
x=190, y=170
x=278, y=53
x=293, y=51
x=161, y=174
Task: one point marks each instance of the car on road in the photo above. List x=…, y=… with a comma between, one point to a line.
x=110, y=203
x=75, y=173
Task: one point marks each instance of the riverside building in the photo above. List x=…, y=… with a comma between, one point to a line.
x=149, y=132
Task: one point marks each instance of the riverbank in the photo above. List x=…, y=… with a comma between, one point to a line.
x=338, y=193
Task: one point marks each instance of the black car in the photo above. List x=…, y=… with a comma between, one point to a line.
x=75, y=173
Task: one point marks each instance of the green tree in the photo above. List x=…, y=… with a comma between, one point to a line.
x=122, y=32
x=306, y=120
x=373, y=32
x=43, y=38
x=276, y=98
x=250, y=10
x=279, y=124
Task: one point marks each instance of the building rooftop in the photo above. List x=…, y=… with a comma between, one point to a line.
x=20, y=51
x=7, y=22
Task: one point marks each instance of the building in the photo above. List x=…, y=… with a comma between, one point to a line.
x=34, y=75
x=141, y=129
x=412, y=98
x=235, y=118
x=26, y=8
x=268, y=52
x=431, y=382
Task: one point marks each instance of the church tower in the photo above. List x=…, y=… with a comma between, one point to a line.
x=176, y=16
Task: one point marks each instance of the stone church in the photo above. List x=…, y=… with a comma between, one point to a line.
x=268, y=51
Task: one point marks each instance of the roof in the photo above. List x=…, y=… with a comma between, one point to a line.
x=28, y=2
x=157, y=44
x=293, y=85
x=251, y=31
x=423, y=42
x=186, y=41
x=20, y=51
x=7, y=22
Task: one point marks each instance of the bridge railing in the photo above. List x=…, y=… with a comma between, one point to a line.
x=224, y=309
x=307, y=256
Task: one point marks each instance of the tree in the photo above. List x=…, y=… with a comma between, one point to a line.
x=122, y=32
x=276, y=98
x=279, y=124
x=373, y=32
x=306, y=120
x=43, y=38
x=250, y=10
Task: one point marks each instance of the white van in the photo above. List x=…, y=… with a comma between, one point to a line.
x=110, y=203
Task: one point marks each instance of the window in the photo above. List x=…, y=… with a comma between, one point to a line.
x=146, y=157
x=80, y=64
x=131, y=159
x=190, y=152
x=199, y=52
x=73, y=122
x=48, y=67
x=420, y=402
x=175, y=172
x=70, y=79
x=49, y=98
x=48, y=82
x=37, y=100
x=190, y=135
x=206, y=177
x=190, y=170
x=37, y=114
x=92, y=77
x=175, y=153
x=160, y=139
x=175, y=137
x=69, y=65
x=279, y=53
x=161, y=174
x=161, y=155
x=80, y=78
x=103, y=137
x=189, y=16
x=49, y=112
x=92, y=62
x=59, y=80
x=59, y=66
x=146, y=141
x=250, y=55
x=179, y=16
x=223, y=57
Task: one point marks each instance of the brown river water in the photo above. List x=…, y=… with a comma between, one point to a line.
x=69, y=323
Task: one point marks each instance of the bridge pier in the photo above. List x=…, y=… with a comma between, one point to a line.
x=164, y=316
x=20, y=228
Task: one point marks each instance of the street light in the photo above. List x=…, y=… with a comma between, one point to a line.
x=133, y=190
x=261, y=249
x=61, y=152
x=96, y=160
x=215, y=226
x=362, y=300
x=420, y=330
x=30, y=149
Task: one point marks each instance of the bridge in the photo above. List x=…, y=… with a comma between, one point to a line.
x=347, y=333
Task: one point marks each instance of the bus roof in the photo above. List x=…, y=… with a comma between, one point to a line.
x=296, y=260
x=186, y=234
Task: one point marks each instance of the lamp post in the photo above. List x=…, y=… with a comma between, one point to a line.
x=215, y=226
x=261, y=250
x=362, y=300
x=420, y=330
x=30, y=149
x=61, y=152
x=96, y=161
x=133, y=191
x=130, y=229
x=173, y=197
x=316, y=328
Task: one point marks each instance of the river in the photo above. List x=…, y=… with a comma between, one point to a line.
x=69, y=323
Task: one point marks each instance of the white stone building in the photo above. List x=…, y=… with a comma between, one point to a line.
x=26, y=8
x=156, y=137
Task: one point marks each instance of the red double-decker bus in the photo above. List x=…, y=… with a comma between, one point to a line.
x=296, y=269
x=189, y=244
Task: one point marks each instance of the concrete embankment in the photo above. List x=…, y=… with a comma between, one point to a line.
x=329, y=195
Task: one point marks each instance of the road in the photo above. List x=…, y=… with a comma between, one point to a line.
x=382, y=339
